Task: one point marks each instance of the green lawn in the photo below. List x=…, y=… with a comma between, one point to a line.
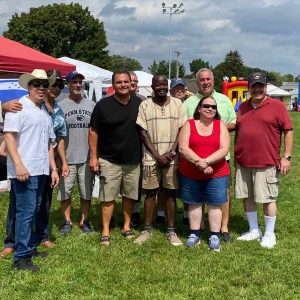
x=79, y=268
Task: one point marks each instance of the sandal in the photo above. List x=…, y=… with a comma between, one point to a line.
x=128, y=234
x=105, y=240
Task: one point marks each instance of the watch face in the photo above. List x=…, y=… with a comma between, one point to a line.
x=288, y=157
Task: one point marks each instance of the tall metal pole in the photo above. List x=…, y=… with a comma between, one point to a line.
x=170, y=40
x=169, y=11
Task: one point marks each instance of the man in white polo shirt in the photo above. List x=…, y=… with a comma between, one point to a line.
x=27, y=136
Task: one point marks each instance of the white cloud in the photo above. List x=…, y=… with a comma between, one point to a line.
x=264, y=32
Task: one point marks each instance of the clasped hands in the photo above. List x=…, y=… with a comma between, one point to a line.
x=202, y=165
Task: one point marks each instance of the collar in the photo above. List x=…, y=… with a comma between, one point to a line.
x=200, y=96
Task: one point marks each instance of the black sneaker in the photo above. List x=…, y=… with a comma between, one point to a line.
x=25, y=263
x=160, y=221
x=86, y=226
x=36, y=253
x=65, y=228
x=226, y=237
x=135, y=220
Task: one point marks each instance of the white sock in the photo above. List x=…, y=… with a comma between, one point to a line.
x=270, y=225
x=185, y=214
x=252, y=220
x=161, y=213
x=137, y=207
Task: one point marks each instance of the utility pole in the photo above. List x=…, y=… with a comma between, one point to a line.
x=177, y=63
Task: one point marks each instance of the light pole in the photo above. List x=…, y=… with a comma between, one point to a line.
x=174, y=9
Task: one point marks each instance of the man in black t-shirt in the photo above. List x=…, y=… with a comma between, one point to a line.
x=115, y=152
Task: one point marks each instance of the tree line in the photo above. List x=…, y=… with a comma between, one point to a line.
x=71, y=30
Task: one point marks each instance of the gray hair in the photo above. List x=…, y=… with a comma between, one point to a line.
x=204, y=70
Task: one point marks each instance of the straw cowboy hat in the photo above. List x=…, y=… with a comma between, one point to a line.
x=36, y=74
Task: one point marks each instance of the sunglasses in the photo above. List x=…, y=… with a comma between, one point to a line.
x=212, y=106
x=59, y=85
x=40, y=84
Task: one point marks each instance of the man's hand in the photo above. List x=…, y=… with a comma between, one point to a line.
x=284, y=166
x=65, y=171
x=164, y=160
x=54, y=179
x=94, y=165
x=22, y=173
x=12, y=106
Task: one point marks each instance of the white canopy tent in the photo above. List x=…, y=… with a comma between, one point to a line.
x=94, y=75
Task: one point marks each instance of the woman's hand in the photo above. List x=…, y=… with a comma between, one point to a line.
x=209, y=170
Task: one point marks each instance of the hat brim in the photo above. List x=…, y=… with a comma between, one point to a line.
x=180, y=83
x=26, y=78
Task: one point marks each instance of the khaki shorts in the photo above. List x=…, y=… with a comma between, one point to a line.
x=155, y=176
x=85, y=179
x=118, y=179
x=261, y=184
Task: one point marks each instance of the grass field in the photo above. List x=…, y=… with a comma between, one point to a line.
x=78, y=268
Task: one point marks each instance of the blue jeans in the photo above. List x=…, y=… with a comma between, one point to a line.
x=28, y=197
x=42, y=217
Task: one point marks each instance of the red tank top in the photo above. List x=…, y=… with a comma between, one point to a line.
x=204, y=146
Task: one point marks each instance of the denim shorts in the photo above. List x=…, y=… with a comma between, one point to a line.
x=210, y=191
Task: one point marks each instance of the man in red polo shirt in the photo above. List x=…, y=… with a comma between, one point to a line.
x=260, y=123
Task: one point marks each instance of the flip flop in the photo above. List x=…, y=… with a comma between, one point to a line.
x=128, y=234
x=105, y=240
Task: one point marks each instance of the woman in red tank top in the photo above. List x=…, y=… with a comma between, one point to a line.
x=204, y=142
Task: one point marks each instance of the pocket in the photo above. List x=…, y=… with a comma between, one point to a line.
x=272, y=186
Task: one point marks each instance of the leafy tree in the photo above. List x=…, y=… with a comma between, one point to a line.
x=118, y=62
x=61, y=30
x=162, y=67
x=197, y=64
x=233, y=65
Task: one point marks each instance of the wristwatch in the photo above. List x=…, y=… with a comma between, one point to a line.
x=287, y=157
x=173, y=152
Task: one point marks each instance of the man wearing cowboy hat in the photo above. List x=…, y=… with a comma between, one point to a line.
x=27, y=135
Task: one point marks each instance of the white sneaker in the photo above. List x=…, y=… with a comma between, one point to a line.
x=268, y=241
x=254, y=234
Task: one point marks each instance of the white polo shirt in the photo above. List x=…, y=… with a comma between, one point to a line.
x=33, y=126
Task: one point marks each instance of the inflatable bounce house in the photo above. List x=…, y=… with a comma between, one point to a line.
x=235, y=90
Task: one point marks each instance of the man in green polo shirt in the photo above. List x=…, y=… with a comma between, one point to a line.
x=205, y=83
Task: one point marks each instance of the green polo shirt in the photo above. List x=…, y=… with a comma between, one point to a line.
x=224, y=104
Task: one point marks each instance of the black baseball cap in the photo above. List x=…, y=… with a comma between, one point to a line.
x=257, y=77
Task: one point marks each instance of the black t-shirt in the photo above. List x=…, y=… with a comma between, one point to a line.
x=118, y=137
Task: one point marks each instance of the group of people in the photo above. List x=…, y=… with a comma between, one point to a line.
x=159, y=145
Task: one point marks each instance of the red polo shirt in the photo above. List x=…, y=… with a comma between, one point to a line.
x=258, y=133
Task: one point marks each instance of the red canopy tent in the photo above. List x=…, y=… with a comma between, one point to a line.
x=16, y=58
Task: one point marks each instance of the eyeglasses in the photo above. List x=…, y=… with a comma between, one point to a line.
x=212, y=106
x=40, y=84
x=135, y=81
x=59, y=85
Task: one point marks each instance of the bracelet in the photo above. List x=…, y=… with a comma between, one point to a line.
x=207, y=162
x=54, y=170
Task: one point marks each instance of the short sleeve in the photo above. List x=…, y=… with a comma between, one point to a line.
x=141, y=118
x=13, y=122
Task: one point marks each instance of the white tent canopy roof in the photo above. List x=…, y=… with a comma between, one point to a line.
x=273, y=90
x=145, y=79
x=89, y=71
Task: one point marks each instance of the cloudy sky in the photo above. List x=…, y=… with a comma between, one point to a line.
x=265, y=32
